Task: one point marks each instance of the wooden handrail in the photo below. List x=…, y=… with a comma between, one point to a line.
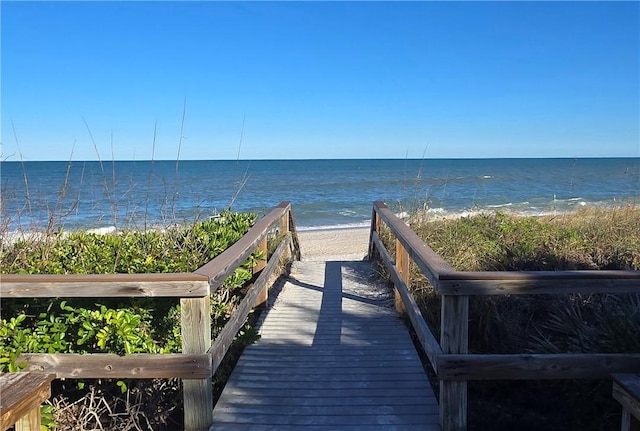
x=226, y=262
x=626, y=390
x=426, y=338
x=185, y=285
x=22, y=394
x=538, y=282
x=225, y=338
x=109, y=365
x=536, y=366
x=429, y=262
x=454, y=309
x=447, y=281
x=450, y=359
x=194, y=365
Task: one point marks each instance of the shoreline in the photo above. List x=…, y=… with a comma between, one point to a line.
x=340, y=239
x=523, y=209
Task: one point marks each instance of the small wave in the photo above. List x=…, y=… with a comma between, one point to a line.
x=510, y=204
x=348, y=213
x=471, y=212
x=14, y=236
x=443, y=214
x=102, y=230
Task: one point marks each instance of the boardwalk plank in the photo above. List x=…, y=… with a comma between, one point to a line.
x=265, y=349
x=325, y=417
x=333, y=354
x=326, y=377
x=329, y=410
x=303, y=392
x=421, y=401
x=315, y=384
x=281, y=427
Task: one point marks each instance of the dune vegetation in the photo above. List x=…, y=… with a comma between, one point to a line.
x=117, y=325
x=591, y=238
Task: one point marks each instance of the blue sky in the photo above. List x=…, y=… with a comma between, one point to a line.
x=280, y=80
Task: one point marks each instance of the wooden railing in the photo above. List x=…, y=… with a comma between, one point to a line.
x=200, y=358
x=20, y=397
x=450, y=358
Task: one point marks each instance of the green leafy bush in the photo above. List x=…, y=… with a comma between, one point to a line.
x=116, y=325
x=121, y=326
x=177, y=249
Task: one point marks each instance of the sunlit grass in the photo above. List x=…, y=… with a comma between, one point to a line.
x=588, y=239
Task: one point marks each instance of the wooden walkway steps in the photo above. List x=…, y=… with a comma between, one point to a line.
x=333, y=355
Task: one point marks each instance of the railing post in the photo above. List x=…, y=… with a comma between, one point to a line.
x=31, y=421
x=288, y=225
x=375, y=227
x=284, y=224
x=454, y=338
x=259, y=266
x=402, y=265
x=196, y=338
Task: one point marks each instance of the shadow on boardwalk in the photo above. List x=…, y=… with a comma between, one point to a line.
x=333, y=354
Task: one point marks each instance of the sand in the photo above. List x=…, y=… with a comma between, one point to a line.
x=334, y=244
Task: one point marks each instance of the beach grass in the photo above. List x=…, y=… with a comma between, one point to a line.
x=590, y=238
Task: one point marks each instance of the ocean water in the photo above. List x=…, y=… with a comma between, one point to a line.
x=324, y=193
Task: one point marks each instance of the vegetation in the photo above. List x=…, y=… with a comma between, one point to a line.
x=178, y=249
x=116, y=325
x=586, y=239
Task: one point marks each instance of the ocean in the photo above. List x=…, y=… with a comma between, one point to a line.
x=324, y=193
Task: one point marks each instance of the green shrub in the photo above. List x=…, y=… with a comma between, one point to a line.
x=121, y=325
x=117, y=325
x=177, y=249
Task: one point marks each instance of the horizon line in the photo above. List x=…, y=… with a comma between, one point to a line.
x=325, y=159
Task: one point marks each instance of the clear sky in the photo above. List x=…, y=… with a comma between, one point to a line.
x=280, y=80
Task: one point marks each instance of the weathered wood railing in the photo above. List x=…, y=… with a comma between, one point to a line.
x=626, y=390
x=450, y=358
x=20, y=397
x=199, y=359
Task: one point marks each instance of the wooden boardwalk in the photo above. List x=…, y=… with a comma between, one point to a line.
x=333, y=355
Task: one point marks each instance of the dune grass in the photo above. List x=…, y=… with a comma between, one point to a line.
x=591, y=238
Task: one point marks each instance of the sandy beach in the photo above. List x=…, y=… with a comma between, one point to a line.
x=334, y=244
